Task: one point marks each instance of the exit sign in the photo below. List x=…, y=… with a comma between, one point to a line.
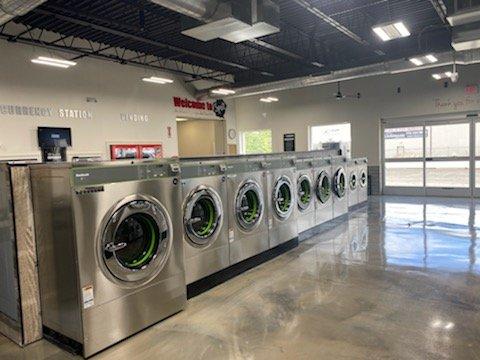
x=471, y=89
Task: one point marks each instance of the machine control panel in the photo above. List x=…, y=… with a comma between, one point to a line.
x=87, y=176
x=193, y=170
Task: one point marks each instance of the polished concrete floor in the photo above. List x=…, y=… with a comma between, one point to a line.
x=400, y=280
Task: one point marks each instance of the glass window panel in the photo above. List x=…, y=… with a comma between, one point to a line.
x=477, y=174
x=323, y=135
x=409, y=174
x=477, y=139
x=447, y=140
x=453, y=174
x=404, y=142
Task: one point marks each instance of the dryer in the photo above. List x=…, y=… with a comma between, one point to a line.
x=247, y=213
x=362, y=168
x=305, y=194
x=353, y=183
x=205, y=227
x=323, y=190
x=281, y=199
x=339, y=186
x=110, y=249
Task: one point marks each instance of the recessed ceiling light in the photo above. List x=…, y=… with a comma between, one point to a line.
x=443, y=75
x=269, y=99
x=390, y=31
x=223, y=92
x=416, y=61
x=49, y=61
x=437, y=76
x=158, y=80
x=431, y=58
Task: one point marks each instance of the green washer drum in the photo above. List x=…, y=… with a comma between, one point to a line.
x=363, y=179
x=283, y=197
x=353, y=181
x=340, y=183
x=324, y=187
x=304, y=188
x=249, y=205
x=203, y=216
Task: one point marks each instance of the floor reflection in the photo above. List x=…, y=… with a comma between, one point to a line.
x=422, y=233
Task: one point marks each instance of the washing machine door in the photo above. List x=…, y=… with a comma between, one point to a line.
x=249, y=205
x=323, y=187
x=353, y=181
x=363, y=179
x=340, y=183
x=304, y=191
x=137, y=241
x=283, y=197
x=203, y=216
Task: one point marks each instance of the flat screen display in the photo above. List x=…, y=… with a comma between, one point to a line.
x=53, y=137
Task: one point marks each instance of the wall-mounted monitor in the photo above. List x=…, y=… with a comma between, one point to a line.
x=54, y=137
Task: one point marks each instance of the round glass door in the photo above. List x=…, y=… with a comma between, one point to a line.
x=249, y=205
x=203, y=216
x=353, y=181
x=340, y=182
x=324, y=187
x=363, y=179
x=283, y=197
x=304, y=188
x=136, y=241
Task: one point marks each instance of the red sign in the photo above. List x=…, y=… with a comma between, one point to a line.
x=191, y=104
x=471, y=89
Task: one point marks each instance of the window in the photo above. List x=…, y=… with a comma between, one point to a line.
x=323, y=135
x=257, y=142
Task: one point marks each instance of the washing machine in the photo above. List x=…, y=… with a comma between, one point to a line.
x=205, y=229
x=281, y=199
x=353, y=183
x=247, y=212
x=339, y=186
x=362, y=169
x=323, y=190
x=110, y=249
x=305, y=194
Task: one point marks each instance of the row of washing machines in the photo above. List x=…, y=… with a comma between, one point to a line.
x=118, y=244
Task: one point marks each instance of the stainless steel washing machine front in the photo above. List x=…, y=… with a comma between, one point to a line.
x=323, y=190
x=339, y=186
x=305, y=194
x=247, y=201
x=362, y=179
x=353, y=182
x=205, y=224
x=282, y=198
x=110, y=257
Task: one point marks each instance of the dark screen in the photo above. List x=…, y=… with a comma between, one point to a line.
x=50, y=137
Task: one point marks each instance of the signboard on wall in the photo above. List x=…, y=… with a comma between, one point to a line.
x=38, y=111
x=289, y=142
x=199, y=109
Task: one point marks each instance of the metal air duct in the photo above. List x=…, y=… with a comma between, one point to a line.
x=12, y=8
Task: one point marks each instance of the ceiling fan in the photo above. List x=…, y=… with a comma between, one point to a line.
x=339, y=95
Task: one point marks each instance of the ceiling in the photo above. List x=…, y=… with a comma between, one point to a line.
x=144, y=28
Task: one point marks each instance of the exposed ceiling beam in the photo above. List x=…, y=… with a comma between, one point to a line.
x=332, y=22
x=159, y=44
x=441, y=9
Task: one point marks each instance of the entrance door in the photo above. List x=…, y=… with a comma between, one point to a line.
x=431, y=158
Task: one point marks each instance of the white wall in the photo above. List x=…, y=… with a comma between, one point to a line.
x=300, y=108
x=118, y=89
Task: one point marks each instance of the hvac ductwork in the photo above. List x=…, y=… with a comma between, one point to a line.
x=386, y=68
x=234, y=21
x=12, y=8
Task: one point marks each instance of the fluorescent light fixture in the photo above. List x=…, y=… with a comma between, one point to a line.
x=317, y=64
x=390, y=31
x=402, y=29
x=269, y=99
x=444, y=75
x=431, y=58
x=182, y=119
x=416, y=61
x=223, y=92
x=381, y=34
x=60, y=63
x=158, y=80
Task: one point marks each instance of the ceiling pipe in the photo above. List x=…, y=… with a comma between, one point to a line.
x=10, y=9
x=385, y=68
